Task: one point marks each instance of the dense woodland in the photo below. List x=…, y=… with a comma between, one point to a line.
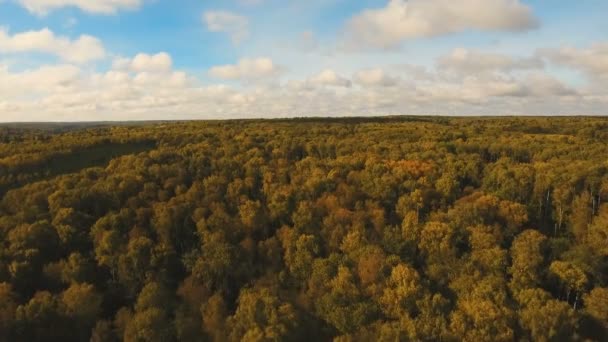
x=388, y=229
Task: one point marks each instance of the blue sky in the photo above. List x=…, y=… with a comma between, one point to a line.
x=192, y=59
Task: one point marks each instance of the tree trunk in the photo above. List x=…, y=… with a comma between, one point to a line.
x=555, y=229
x=547, y=201
x=561, y=219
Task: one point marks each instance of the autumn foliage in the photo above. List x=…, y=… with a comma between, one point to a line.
x=388, y=229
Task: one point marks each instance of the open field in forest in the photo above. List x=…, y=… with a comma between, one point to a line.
x=389, y=228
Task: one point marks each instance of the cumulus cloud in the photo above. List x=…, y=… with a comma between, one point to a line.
x=489, y=87
x=388, y=27
x=375, y=77
x=247, y=69
x=468, y=61
x=416, y=72
x=471, y=90
x=541, y=84
x=68, y=92
x=42, y=7
x=50, y=78
x=592, y=60
x=147, y=87
x=236, y=26
x=84, y=49
x=329, y=77
x=145, y=70
x=160, y=62
x=85, y=95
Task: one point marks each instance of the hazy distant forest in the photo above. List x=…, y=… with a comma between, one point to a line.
x=388, y=229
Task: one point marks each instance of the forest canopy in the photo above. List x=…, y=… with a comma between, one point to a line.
x=355, y=229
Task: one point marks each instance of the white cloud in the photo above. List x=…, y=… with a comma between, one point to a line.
x=42, y=7
x=467, y=62
x=485, y=88
x=375, y=77
x=246, y=69
x=51, y=78
x=593, y=60
x=471, y=90
x=329, y=77
x=153, y=90
x=173, y=79
x=541, y=84
x=235, y=25
x=160, y=62
x=401, y=19
x=84, y=49
x=416, y=72
x=67, y=92
x=117, y=95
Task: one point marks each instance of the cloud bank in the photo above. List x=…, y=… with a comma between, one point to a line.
x=400, y=20
x=81, y=50
x=43, y=7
